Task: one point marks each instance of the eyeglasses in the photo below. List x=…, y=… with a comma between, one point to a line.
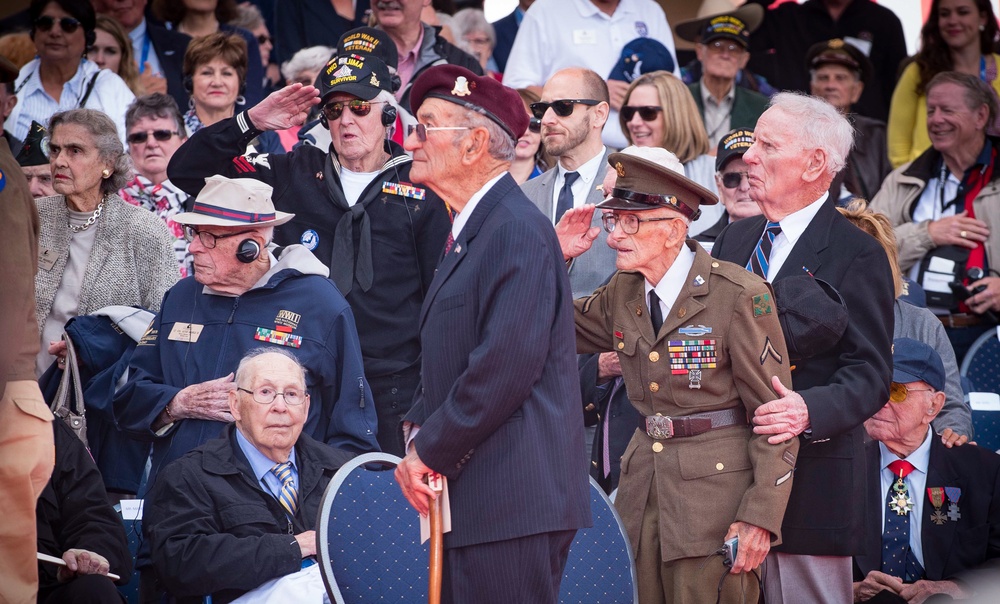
x=535, y=125
x=422, y=130
x=646, y=114
x=898, y=392
x=67, y=24
x=360, y=108
x=562, y=107
x=265, y=395
x=720, y=47
x=137, y=138
x=209, y=240
x=732, y=180
x=262, y=39
x=628, y=222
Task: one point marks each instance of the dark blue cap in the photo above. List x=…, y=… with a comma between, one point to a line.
x=640, y=56
x=914, y=361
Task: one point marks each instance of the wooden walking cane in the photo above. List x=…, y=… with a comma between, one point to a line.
x=434, y=480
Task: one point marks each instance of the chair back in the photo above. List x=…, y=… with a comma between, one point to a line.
x=600, y=568
x=981, y=366
x=368, y=536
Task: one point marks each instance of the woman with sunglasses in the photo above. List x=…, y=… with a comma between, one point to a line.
x=529, y=155
x=94, y=249
x=61, y=77
x=112, y=50
x=200, y=18
x=215, y=73
x=250, y=19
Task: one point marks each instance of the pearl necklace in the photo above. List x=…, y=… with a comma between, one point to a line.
x=90, y=221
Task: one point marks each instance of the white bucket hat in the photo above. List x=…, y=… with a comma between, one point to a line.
x=234, y=202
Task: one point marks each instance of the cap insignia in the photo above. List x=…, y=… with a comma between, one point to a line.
x=374, y=81
x=835, y=43
x=461, y=87
x=620, y=169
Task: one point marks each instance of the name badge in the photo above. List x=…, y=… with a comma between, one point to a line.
x=185, y=332
x=46, y=259
x=584, y=36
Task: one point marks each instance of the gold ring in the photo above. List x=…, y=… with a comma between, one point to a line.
x=964, y=234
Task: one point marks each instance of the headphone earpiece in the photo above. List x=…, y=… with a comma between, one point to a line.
x=189, y=84
x=388, y=115
x=322, y=120
x=395, y=83
x=248, y=251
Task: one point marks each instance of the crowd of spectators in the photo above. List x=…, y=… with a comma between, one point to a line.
x=237, y=167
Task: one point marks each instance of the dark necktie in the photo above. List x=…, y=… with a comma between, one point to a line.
x=565, y=201
x=655, y=314
x=897, y=558
x=762, y=253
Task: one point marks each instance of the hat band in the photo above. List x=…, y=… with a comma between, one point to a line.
x=658, y=200
x=231, y=214
x=476, y=108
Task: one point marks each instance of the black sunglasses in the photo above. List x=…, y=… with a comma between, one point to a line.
x=67, y=24
x=535, y=125
x=562, y=107
x=262, y=39
x=646, y=113
x=137, y=138
x=360, y=108
x=732, y=180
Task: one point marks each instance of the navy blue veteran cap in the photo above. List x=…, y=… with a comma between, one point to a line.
x=369, y=41
x=734, y=144
x=34, y=151
x=360, y=75
x=644, y=185
x=642, y=55
x=839, y=52
x=914, y=361
x=482, y=94
x=734, y=25
x=812, y=313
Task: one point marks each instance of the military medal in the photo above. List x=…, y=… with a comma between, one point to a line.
x=901, y=502
x=953, y=493
x=694, y=379
x=936, y=495
x=691, y=357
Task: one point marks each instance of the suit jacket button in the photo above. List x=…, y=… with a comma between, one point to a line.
x=654, y=387
x=657, y=447
x=654, y=356
x=621, y=345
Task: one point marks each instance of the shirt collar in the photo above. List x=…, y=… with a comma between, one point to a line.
x=919, y=459
x=589, y=170
x=414, y=53
x=137, y=34
x=588, y=9
x=673, y=280
x=462, y=217
x=706, y=96
x=793, y=225
x=259, y=463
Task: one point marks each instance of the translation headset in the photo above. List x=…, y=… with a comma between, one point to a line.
x=248, y=251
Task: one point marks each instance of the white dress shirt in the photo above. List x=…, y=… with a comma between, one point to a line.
x=672, y=282
x=462, y=217
x=916, y=483
x=583, y=185
x=792, y=227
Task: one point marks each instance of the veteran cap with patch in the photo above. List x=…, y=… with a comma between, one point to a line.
x=733, y=144
x=645, y=185
x=642, y=55
x=481, y=94
x=839, y=52
x=736, y=25
x=369, y=41
x=360, y=75
x=34, y=151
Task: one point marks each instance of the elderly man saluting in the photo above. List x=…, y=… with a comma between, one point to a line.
x=699, y=342
x=241, y=509
x=499, y=411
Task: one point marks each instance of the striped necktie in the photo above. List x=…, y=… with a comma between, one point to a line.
x=762, y=253
x=288, y=497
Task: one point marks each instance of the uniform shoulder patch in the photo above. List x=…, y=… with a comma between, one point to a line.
x=762, y=305
x=769, y=351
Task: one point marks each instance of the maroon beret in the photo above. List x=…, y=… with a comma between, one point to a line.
x=481, y=94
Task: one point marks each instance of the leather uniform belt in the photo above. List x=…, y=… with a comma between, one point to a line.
x=962, y=319
x=662, y=427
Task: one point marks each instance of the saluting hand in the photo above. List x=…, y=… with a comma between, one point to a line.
x=574, y=231
x=784, y=418
x=284, y=108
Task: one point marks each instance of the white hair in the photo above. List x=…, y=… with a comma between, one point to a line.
x=822, y=126
x=469, y=20
x=313, y=58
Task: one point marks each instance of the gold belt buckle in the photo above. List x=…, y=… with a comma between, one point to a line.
x=659, y=427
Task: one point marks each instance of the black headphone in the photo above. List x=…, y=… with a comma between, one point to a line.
x=189, y=85
x=388, y=116
x=248, y=251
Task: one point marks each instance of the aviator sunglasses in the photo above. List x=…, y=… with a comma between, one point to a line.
x=562, y=107
x=899, y=392
x=137, y=138
x=646, y=113
x=67, y=24
x=360, y=108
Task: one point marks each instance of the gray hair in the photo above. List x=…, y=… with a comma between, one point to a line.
x=243, y=368
x=501, y=145
x=152, y=106
x=822, y=126
x=247, y=17
x=313, y=58
x=470, y=20
x=109, y=146
x=977, y=92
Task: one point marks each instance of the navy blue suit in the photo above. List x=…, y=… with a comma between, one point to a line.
x=499, y=409
x=170, y=46
x=967, y=549
x=505, y=30
x=841, y=387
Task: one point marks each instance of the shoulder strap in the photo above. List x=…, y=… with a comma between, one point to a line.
x=90, y=88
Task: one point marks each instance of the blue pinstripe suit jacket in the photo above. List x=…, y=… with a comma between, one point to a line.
x=499, y=407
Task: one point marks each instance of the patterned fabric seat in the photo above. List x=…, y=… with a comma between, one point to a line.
x=982, y=367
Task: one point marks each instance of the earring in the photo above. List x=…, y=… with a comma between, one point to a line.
x=982, y=28
x=241, y=100
x=191, y=103
x=106, y=173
